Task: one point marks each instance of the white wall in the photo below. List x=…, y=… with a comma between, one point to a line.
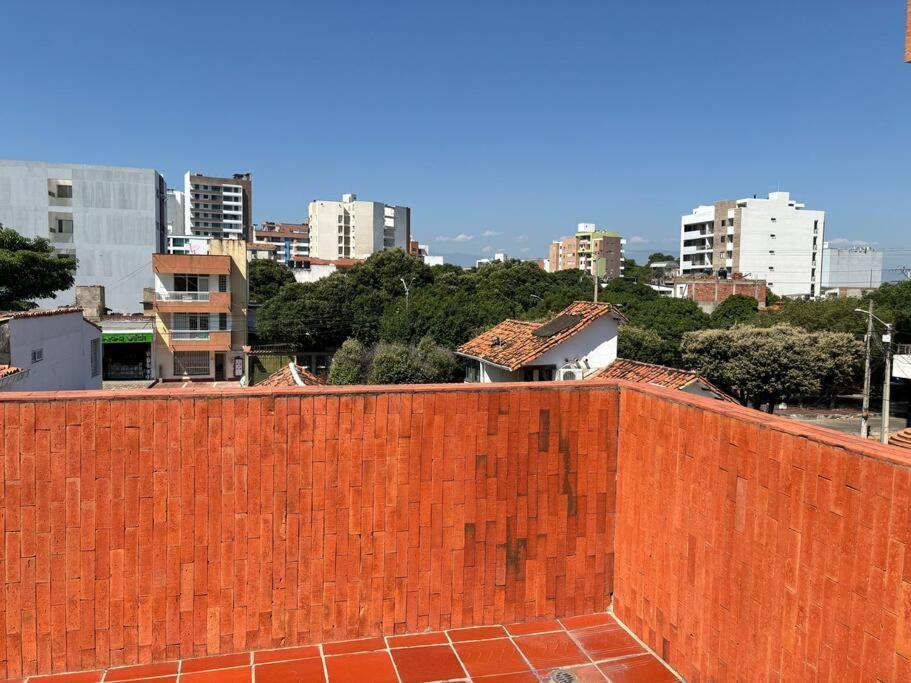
x=317, y=271
x=792, y=264
x=118, y=223
x=852, y=268
x=66, y=342
x=367, y=222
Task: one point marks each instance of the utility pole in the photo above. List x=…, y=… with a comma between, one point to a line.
x=887, y=383
x=865, y=413
x=595, y=275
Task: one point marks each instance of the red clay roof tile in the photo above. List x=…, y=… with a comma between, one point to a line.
x=513, y=344
x=650, y=373
x=285, y=378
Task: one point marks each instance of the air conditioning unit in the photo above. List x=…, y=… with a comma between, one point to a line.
x=571, y=374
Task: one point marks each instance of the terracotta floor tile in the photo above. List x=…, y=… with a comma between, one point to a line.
x=522, y=677
x=549, y=650
x=431, y=663
x=476, y=633
x=534, y=627
x=587, y=621
x=286, y=653
x=360, y=645
x=80, y=677
x=410, y=639
x=359, y=667
x=488, y=657
x=297, y=671
x=607, y=642
x=239, y=675
x=642, y=669
x=586, y=673
x=139, y=671
x=214, y=662
x=155, y=679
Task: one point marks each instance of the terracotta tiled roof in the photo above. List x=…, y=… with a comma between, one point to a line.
x=338, y=263
x=7, y=370
x=285, y=378
x=659, y=375
x=513, y=344
x=38, y=312
x=902, y=438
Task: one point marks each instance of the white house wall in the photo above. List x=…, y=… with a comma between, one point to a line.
x=65, y=341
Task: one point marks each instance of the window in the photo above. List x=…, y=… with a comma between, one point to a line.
x=222, y=321
x=64, y=191
x=64, y=225
x=771, y=252
x=95, y=356
x=772, y=236
x=222, y=283
x=190, y=321
x=191, y=362
x=191, y=283
x=37, y=355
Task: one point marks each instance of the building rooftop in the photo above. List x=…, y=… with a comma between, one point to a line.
x=515, y=343
x=659, y=376
x=291, y=375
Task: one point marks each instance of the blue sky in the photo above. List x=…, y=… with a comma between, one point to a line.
x=514, y=119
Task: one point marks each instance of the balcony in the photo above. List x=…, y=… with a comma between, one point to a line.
x=735, y=545
x=192, y=302
x=198, y=340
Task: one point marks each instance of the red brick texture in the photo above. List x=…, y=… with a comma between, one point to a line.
x=141, y=528
x=756, y=548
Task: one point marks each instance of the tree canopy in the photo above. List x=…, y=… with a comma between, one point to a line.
x=267, y=278
x=765, y=365
x=29, y=270
x=393, y=363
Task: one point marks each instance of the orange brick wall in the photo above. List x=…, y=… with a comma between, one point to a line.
x=761, y=549
x=144, y=528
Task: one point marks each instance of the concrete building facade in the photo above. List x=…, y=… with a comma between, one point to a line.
x=354, y=229
x=200, y=313
x=49, y=350
x=852, y=268
x=776, y=239
x=598, y=252
x=709, y=292
x=282, y=242
x=111, y=219
x=218, y=207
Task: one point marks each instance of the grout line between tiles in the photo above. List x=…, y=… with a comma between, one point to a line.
x=647, y=648
x=395, y=667
x=456, y=653
x=322, y=658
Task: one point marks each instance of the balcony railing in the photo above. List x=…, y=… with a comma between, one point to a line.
x=182, y=296
x=190, y=335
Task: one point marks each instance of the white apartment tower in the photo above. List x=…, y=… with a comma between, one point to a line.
x=777, y=240
x=354, y=228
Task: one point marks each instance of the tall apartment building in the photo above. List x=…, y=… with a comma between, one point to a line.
x=851, y=268
x=287, y=242
x=599, y=252
x=200, y=312
x=777, y=240
x=217, y=207
x=354, y=228
x=111, y=219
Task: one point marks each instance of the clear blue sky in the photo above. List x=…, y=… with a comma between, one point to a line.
x=518, y=118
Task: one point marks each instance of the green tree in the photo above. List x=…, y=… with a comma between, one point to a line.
x=438, y=365
x=349, y=364
x=395, y=364
x=658, y=257
x=266, y=279
x=670, y=319
x=765, y=365
x=29, y=269
x=736, y=309
x=647, y=346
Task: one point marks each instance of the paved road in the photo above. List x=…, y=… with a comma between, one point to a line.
x=848, y=424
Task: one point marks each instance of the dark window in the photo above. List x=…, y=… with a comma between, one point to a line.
x=222, y=283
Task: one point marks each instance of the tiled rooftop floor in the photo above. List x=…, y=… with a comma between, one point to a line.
x=593, y=648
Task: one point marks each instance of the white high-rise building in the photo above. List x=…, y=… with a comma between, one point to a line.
x=851, y=268
x=355, y=229
x=111, y=219
x=777, y=240
x=217, y=207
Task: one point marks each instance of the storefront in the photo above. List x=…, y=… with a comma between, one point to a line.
x=127, y=355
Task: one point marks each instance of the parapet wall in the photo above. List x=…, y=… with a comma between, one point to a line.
x=142, y=528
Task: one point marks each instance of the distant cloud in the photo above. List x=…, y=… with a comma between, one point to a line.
x=461, y=237
x=491, y=233
x=524, y=250
x=845, y=242
x=636, y=239
x=487, y=249
x=521, y=238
